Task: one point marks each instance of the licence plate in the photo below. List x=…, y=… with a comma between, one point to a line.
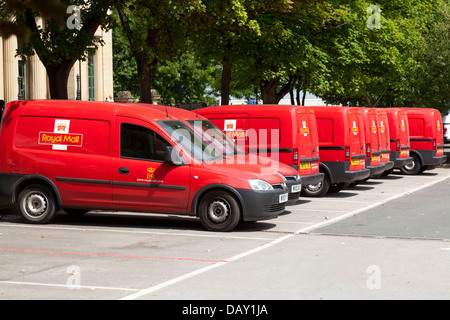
x=355, y=162
x=385, y=155
x=305, y=165
x=284, y=198
x=440, y=150
x=404, y=152
x=375, y=158
x=296, y=188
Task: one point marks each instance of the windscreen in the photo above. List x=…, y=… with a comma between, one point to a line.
x=215, y=138
x=191, y=142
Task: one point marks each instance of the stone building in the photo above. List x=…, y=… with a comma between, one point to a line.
x=28, y=79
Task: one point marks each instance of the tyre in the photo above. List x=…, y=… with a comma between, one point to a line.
x=36, y=204
x=317, y=190
x=414, y=168
x=219, y=211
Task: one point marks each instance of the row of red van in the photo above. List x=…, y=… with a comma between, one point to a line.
x=78, y=156
x=354, y=143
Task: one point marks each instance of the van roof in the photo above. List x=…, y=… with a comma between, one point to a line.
x=260, y=108
x=100, y=110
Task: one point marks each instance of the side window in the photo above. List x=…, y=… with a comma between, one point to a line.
x=141, y=143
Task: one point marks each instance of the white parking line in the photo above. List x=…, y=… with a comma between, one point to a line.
x=64, y=286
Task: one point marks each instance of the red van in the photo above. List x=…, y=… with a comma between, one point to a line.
x=399, y=137
x=222, y=143
x=384, y=139
x=427, y=142
x=284, y=133
x=373, y=142
x=79, y=156
x=342, y=148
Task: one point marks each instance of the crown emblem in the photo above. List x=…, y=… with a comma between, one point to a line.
x=62, y=127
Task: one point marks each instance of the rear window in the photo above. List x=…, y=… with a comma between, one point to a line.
x=64, y=135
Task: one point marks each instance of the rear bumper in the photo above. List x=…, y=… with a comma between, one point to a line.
x=429, y=157
x=258, y=205
x=312, y=178
x=375, y=170
x=400, y=162
x=340, y=172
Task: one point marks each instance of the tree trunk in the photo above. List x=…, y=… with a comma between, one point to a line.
x=146, y=74
x=58, y=77
x=271, y=95
x=226, y=82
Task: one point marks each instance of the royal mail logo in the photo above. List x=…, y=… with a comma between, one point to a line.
x=61, y=138
x=51, y=138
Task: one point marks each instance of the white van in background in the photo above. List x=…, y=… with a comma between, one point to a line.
x=446, y=120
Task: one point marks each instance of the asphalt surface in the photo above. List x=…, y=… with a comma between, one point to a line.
x=387, y=238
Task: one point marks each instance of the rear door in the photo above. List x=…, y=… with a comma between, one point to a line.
x=141, y=179
x=356, y=141
x=372, y=137
x=403, y=134
x=307, y=142
x=383, y=130
x=439, y=134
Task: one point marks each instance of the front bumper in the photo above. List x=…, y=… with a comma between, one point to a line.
x=262, y=205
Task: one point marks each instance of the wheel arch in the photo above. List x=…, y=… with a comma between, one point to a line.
x=39, y=180
x=215, y=187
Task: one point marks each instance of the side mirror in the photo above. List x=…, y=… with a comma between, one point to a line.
x=173, y=157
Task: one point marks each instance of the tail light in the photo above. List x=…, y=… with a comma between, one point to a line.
x=368, y=149
x=347, y=153
x=295, y=157
x=398, y=144
x=434, y=144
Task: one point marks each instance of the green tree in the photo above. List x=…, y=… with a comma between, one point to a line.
x=57, y=46
x=156, y=32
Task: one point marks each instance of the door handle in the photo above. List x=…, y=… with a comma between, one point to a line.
x=124, y=170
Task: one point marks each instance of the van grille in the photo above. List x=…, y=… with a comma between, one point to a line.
x=278, y=186
x=271, y=208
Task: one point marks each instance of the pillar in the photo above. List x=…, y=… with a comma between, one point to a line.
x=10, y=69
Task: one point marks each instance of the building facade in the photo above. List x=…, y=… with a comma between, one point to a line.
x=90, y=80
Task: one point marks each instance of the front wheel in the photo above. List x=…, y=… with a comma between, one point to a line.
x=219, y=211
x=36, y=204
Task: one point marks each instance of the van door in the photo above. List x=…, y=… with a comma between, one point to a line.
x=356, y=141
x=403, y=134
x=383, y=128
x=439, y=134
x=141, y=179
x=307, y=143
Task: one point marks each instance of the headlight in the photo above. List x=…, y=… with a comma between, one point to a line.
x=260, y=185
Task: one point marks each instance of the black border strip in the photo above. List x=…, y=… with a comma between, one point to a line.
x=83, y=180
x=148, y=185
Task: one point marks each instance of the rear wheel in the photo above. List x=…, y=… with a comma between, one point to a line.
x=36, y=204
x=219, y=211
x=414, y=168
x=317, y=190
